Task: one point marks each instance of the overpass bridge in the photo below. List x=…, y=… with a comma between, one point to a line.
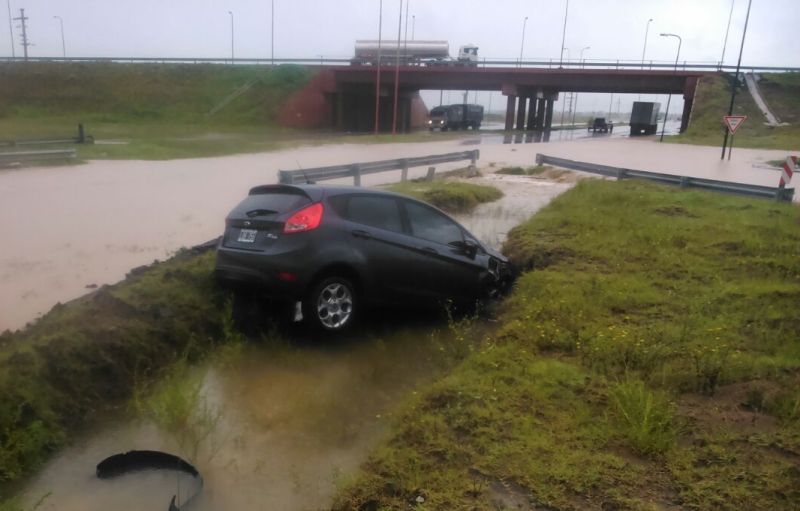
x=343, y=97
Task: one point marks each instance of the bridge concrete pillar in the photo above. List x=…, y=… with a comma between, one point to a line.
x=548, y=116
x=689, y=90
x=521, y=112
x=540, y=111
x=531, y=124
x=510, y=112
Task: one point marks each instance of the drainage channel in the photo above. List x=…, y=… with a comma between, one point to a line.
x=279, y=424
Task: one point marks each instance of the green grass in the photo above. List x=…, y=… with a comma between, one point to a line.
x=149, y=111
x=89, y=355
x=648, y=324
x=452, y=196
x=781, y=91
x=713, y=99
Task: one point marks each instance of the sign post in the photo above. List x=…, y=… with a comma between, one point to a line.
x=733, y=122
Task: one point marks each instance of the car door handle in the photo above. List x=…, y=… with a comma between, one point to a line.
x=430, y=250
x=358, y=233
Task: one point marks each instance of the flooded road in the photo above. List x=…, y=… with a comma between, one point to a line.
x=66, y=230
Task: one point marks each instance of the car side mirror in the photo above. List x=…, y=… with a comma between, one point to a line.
x=470, y=248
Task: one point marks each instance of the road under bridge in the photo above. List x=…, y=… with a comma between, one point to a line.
x=343, y=97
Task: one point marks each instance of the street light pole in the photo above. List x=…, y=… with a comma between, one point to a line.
x=378, y=68
x=232, y=52
x=522, y=44
x=669, y=98
x=272, y=34
x=397, y=69
x=11, y=30
x=413, y=24
x=725, y=44
x=736, y=79
x=564, y=104
x=563, y=35
x=575, y=108
x=644, y=48
x=63, y=46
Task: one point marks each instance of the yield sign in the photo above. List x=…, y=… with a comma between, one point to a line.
x=733, y=122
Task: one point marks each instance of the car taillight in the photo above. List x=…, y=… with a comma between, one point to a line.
x=304, y=220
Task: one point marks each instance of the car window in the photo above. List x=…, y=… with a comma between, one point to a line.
x=380, y=212
x=431, y=225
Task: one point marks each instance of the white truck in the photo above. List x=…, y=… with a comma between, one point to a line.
x=419, y=53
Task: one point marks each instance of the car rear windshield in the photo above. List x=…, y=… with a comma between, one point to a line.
x=277, y=202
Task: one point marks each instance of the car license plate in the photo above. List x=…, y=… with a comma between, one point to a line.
x=247, y=235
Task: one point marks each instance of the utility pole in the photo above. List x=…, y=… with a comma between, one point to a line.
x=736, y=78
x=22, y=19
x=11, y=30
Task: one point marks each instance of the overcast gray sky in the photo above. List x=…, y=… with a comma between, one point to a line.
x=614, y=29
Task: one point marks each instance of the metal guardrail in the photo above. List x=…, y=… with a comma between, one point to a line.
x=493, y=62
x=80, y=138
x=778, y=193
x=356, y=170
x=8, y=158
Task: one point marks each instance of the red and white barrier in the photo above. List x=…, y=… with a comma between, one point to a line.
x=789, y=166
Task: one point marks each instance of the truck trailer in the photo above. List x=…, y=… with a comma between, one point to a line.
x=455, y=117
x=644, y=118
x=428, y=53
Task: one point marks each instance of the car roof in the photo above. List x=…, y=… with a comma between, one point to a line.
x=317, y=191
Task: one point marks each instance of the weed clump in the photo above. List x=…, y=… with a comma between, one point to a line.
x=451, y=196
x=646, y=417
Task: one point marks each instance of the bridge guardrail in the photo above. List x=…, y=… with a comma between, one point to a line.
x=778, y=193
x=7, y=158
x=552, y=63
x=356, y=170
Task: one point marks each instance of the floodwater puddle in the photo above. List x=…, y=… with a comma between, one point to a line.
x=279, y=424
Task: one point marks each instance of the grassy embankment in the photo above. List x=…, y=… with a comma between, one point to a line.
x=149, y=111
x=451, y=196
x=84, y=358
x=648, y=358
x=161, y=111
x=780, y=90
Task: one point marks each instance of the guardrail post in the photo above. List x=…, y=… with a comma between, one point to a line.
x=539, y=159
x=429, y=176
x=780, y=192
x=472, y=170
x=621, y=174
x=684, y=181
x=404, y=170
x=284, y=177
x=356, y=174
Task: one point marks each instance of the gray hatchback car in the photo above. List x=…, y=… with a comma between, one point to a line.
x=340, y=250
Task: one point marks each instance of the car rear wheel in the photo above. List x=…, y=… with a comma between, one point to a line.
x=331, y=305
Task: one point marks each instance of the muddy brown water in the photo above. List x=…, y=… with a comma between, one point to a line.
x=291, y=420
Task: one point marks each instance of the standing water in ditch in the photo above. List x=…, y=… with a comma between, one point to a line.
x=277, y=424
